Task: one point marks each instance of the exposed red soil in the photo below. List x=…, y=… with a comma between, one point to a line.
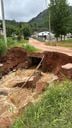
x=54, y=60
x=55, y=57
x=19, y=58
x=16, y=57
x=31, y=83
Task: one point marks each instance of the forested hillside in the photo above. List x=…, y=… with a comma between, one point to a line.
x=41, y=21
x=38, y=23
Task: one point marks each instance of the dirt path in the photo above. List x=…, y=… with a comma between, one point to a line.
x=43, y=47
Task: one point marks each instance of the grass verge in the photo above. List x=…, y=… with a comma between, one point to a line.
x=29, y=48
x=14, y=43
x=3, y=48
x=53, y=111
x=66, y=43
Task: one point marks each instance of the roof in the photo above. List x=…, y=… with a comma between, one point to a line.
x=45, y=33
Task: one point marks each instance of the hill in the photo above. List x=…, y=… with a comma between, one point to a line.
x=40, y=22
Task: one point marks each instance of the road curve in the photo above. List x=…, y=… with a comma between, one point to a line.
x=43, y=47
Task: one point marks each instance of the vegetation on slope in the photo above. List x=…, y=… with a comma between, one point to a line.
x=15, y=43
x=29, y=48
x=64, y=43
x=17, y=28
x=2, y=47
x=53, y=111
x=41, y=22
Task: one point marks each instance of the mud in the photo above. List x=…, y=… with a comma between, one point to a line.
x=18, y=66
x=18, y=58
x=14, y=57
x=17, y=96
x=53, y=62
x=31, y=83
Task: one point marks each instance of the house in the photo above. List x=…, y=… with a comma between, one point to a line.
x=46, y=35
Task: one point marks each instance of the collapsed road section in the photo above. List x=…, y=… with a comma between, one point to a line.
x=25, y=76
x=18, y=58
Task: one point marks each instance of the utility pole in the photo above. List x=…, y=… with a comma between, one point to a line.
x=49, y=18
x=49, y=24
x=3, y=21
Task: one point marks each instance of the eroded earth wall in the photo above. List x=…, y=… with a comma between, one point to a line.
x=53, y=62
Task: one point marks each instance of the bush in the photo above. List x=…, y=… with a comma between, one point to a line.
x=26, y=31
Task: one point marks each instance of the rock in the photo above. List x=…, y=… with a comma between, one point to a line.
x=66, y=70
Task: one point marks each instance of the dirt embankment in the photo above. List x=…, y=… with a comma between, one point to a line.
x=19, y=58
x=15, y=58
x=54, y=60
x=27, y=88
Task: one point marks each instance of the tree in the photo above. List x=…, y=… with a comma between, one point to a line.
x=10, y=29
x=59, y=16
x=70, y=21
x=26, y=30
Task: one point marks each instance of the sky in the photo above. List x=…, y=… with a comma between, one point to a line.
x=24, y=10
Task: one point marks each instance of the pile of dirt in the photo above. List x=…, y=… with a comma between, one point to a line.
x=53, y=61
x=15, y=58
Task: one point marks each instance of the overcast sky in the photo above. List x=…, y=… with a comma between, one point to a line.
x=23, y=10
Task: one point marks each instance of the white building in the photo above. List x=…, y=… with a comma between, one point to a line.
x=46, y=35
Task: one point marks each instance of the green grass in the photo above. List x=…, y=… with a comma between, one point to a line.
x=66, y=43
x=29, y=48
x=14, y=43
x=3, y=48
x=53, y=111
